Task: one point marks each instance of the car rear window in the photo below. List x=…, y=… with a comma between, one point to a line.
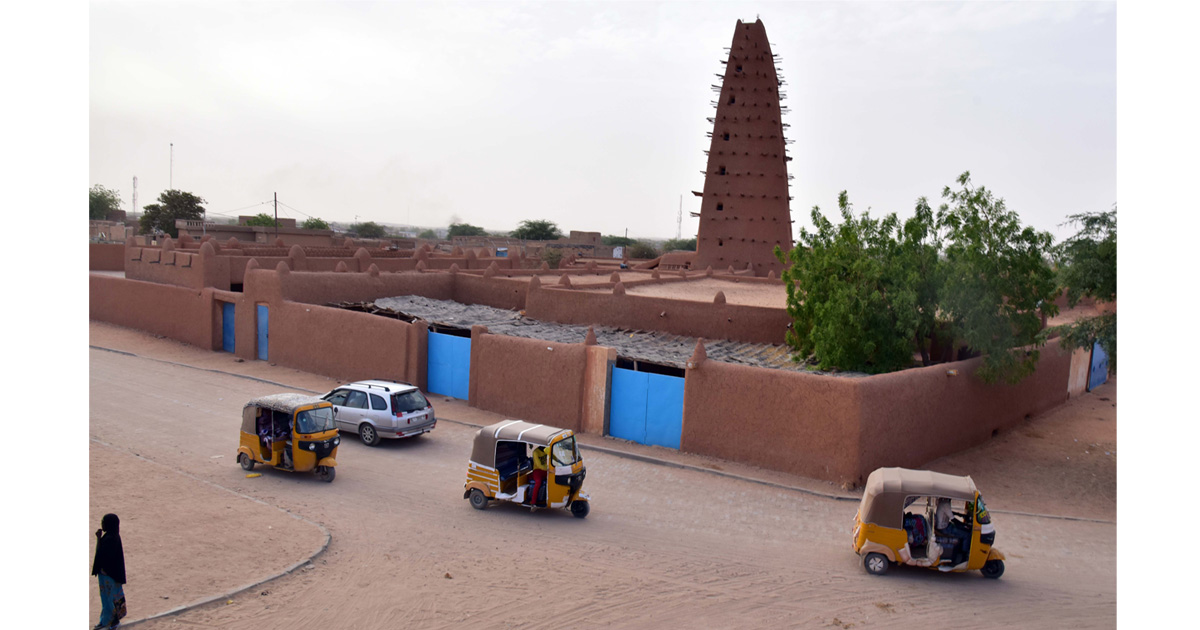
x=378, y=403
x=409, y=401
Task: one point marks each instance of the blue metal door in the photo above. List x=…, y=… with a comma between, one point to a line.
x=1099, y=371
x=227, y=327
x=449, y=367
x=262, y=332
x=646, y=408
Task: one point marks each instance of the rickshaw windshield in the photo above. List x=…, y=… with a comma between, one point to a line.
x=564, y=453
x=315, y=420
x=981, y=512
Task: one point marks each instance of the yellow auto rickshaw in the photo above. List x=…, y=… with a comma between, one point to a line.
x=925, y=519
x=505, y=464
x=291, y=432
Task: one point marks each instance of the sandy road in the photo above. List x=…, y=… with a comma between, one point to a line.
x=663, y=547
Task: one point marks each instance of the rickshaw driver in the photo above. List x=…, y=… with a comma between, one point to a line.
x=538, y=476
x=283, y=432
x=948, y=529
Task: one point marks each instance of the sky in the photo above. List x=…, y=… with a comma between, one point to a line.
x=593, y=114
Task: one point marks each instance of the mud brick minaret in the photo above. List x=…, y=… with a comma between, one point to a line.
x=744, y=210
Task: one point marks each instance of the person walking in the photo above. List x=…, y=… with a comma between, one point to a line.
x=109, y=567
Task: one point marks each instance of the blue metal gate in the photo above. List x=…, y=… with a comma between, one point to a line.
x=449, y=367
x=646, y=408
x=263, y=328
x=227, y=337
x=1099, y=371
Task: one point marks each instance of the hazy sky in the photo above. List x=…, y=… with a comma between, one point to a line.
x=592, y=114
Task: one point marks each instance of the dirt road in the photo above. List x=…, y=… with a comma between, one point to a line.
x=663, y=547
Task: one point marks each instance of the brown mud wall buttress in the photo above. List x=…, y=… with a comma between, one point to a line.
x=537, y=381
x=106, y=256
x=175, y=312
x=803, y=424
x=165, y=266
x=912, y=417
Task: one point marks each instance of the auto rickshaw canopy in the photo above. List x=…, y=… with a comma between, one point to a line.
x=287, y=403
x=484, y=450
x=884, y=497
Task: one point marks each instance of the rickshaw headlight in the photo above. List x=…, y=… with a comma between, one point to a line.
x=312, y=447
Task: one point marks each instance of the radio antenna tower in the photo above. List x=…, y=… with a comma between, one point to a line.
x=135, y=206
x=679, y=220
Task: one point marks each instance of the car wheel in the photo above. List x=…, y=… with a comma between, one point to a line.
x=369, y=435
x=479, y=500
x=875, y=563
x=992, y=569
x=246, y=462
x=580, y=509
x=326, y=473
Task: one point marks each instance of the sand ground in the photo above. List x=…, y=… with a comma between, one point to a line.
x=663, y=546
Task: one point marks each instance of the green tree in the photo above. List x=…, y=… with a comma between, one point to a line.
x=102, y=201
x=1087, y=267
x=641, y=250
x=314, y=223
x=368, y=229
x=465, y=229
x=552, y=256
x=998, y=281
x=428, y=235
x=537, y=230
x=854, y=290
x=680, y=244
x=617, y=241
x=262, y=219
x=172, y=205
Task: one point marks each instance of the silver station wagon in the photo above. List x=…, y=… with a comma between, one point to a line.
x=379, y=409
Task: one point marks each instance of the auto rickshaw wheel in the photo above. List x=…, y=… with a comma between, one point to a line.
x=993, y=569
x=246, y=462
x=875, y=563
x=479, y=500
x=580, y=509
x=369, y=435
x=326, y=473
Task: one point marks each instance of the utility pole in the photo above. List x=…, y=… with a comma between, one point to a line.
x=276, y=215
x=171, y=179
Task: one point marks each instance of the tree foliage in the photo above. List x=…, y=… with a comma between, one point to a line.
x=102, y=201
x=998, y=281
x=867, y=294
x=641, y=250
x=537, y=230
x=368, y=229
x=262, y=219
x=1087, y=267
x=465, y=229
x=855, y=289
x=172, y=205
x=680, y=244
x=428, y=235
x=617, y=241
x=315, y=223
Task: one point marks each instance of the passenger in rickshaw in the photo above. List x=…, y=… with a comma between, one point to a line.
x=951, y=532
x=283, y=433
x=265, y=433
x=538, y=475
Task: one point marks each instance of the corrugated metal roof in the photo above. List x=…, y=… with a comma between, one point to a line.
x=653, y=347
